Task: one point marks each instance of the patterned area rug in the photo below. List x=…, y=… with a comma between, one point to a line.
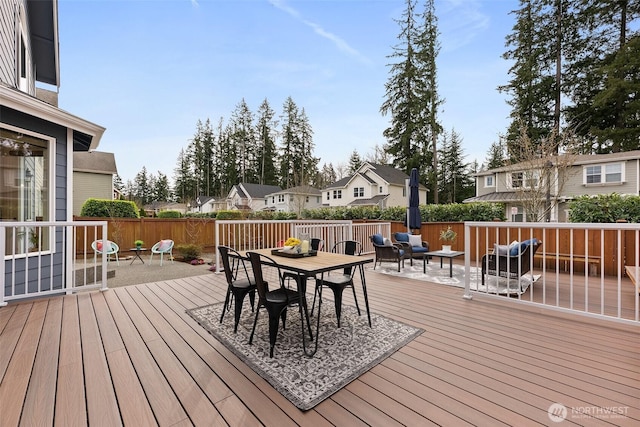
x=435, y=274
x=343, y=353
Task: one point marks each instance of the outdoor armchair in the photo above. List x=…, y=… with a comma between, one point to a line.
x=412, y=243
x=510, y=261
x=110, y=248
x=388, y=252
x=162, y=247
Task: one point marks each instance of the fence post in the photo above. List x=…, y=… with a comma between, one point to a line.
x=3, y=251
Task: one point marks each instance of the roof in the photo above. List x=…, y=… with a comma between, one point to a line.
x=497, y=197
x=301, y=189
x=43, y=21
x=387, y=173
x=374, y=201
x=256, y=191
x=94, y=162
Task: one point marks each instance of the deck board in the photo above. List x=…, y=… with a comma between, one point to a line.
x=132, y=356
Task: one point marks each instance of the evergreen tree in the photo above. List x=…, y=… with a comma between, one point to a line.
x=118, y=184
x=496, y=156
x=297, y=164
x=327, y=176
x=184, y=181
x=243, y=138
x=454, y=177
x=266, y=144
x=142, y=188
x=161, y=189
x=354, y=162
x=411, y=93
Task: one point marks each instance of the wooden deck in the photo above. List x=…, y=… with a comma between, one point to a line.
x=131, y=356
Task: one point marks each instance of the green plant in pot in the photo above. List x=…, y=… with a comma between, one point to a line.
x=138, y=243
x=448, y=236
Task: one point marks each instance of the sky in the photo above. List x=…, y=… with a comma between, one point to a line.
x=148, y=70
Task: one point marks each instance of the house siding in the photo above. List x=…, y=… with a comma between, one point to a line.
x=7, y=43
x=35, y=124
x=575, y=186
x=90, y=185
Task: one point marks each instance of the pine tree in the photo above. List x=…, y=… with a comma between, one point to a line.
x=266, y=144
x=161, y=189
x=354, y=162
x=184, y=181
x=496, y=156
x=243, y=138
x=411, y=93
x=454, y=177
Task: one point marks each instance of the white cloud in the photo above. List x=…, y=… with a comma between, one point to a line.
x=341, y=44
x=460, y=21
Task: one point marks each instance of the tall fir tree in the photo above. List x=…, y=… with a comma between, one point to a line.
x=355, y=161
x=266, y=144
x=411, y=97
x=183, y=178
x=243, y=138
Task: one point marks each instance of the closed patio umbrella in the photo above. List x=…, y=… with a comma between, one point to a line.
x=414, y=222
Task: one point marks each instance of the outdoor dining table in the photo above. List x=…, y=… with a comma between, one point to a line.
x=316, y=266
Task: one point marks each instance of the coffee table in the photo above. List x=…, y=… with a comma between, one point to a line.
x=451, y=255
x=137, y=251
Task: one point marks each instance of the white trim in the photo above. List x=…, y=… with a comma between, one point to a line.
x=22, y=102
x=69, y=186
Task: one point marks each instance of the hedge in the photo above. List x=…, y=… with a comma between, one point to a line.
x=103, y=208
x=605, y=208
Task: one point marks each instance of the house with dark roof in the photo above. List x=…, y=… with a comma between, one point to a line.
x=371, y=185
x=249, y=197
x=294, y=199
x=569, y=176
x=93, y=173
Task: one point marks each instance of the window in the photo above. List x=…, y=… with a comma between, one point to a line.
x=24, y=187
x=358, y=192
x=307, y=199
x=603, y=174
x=328, y=195
x=529, y=179
x=337, y=194
x=280, y=198
x=488, y=181
x=380, y=191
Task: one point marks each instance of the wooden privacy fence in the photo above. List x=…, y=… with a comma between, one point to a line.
x=565, y=245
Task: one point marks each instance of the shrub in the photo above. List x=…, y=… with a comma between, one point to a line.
x=103, y=208
x=229, y=215
x=169, y=214
x=189, y=251
x=605, y=208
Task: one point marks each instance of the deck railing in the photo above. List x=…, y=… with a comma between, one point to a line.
x=41, y=258
x=579, y=267
x=249, y=235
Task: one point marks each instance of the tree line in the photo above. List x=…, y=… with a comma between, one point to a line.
x=575, y=68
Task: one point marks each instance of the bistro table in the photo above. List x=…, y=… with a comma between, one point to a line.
x=451, y=255
x=312, y=266
x=137, y=250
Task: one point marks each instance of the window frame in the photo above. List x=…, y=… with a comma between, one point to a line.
x=605, y=171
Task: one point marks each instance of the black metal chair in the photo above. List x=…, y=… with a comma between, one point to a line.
x=239, y=284
x=275, y=301
x=338, y=282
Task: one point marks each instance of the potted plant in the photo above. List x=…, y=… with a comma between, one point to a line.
x=449, y=236
x=139, y=243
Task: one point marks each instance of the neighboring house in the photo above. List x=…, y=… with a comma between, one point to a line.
x=294, y=199
x=570, y=176
x=249, y=197
x=93, y=173
x=37, y=139
x=371, y=185
x=154, y=208
x=207, y=204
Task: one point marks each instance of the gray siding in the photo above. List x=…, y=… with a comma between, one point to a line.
x=7, y=43
x=575, y=187
x=87, y=185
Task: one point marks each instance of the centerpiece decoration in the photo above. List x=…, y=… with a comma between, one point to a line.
x=448, y=235
x=292, y=245
x=138, y=243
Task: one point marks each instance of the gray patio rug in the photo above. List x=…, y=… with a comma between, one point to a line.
x=435, y=274
x=343, y=353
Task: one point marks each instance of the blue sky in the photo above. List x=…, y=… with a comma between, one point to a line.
x=148, y=70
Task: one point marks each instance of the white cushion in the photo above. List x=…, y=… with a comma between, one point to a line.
x=500, y=250
x=415, y=240
x=386, y=242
